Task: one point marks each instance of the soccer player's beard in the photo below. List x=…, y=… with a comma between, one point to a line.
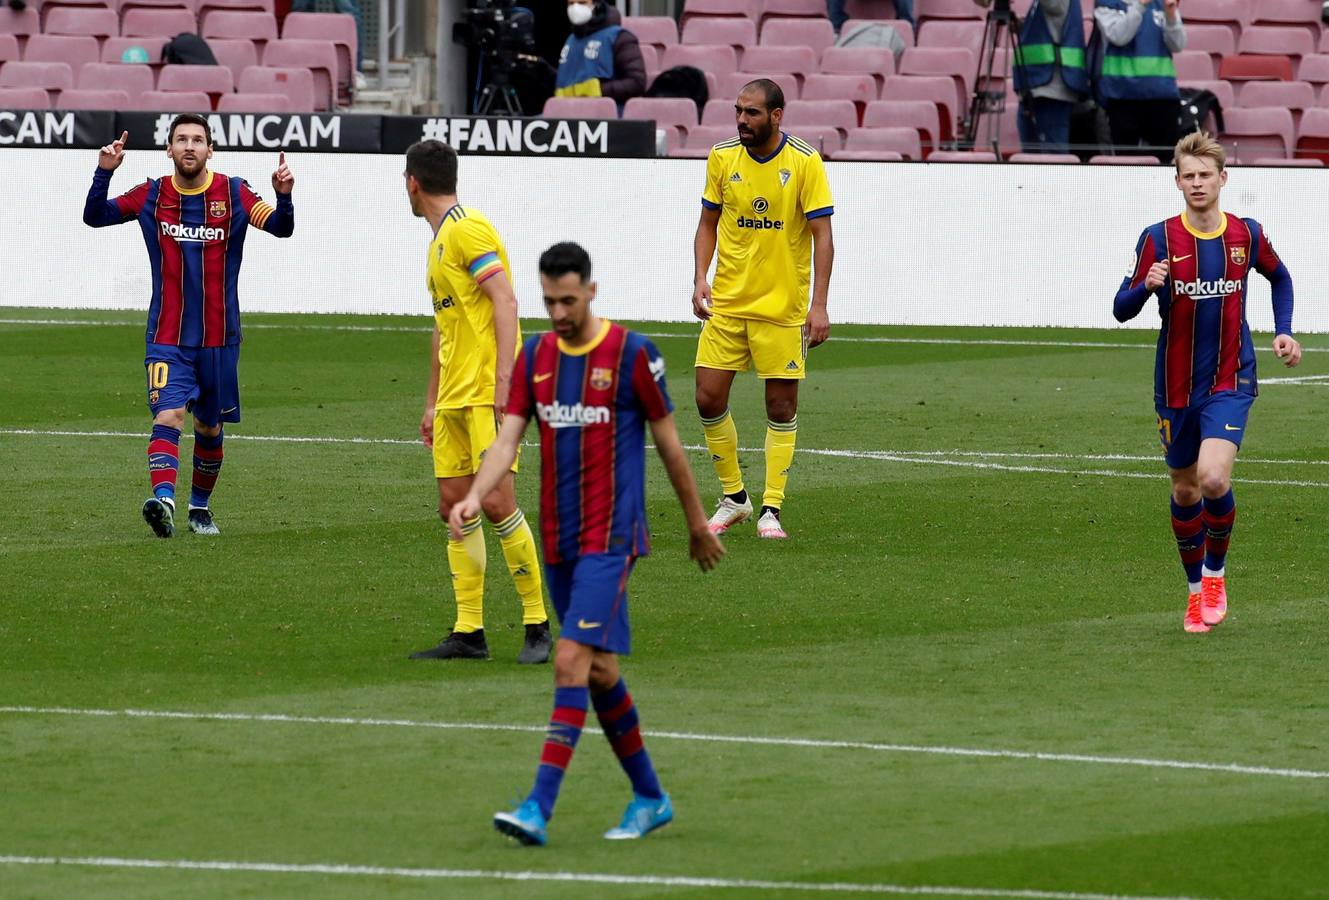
x=187, y=170
x=756, y=137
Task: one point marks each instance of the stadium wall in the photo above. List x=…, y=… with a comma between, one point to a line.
x=940, y=244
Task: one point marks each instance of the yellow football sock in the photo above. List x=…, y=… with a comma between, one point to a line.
x=466, y=559
x=519, y=550
x=780, y=440
x=722, y=442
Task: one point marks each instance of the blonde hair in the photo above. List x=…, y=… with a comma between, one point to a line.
x=1201, y=146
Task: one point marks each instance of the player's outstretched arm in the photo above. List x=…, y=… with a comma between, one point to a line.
x=703, y=546
x=498, y=460
x=703, y=250
x=823, y=257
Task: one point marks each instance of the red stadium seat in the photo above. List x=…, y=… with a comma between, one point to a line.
x=814, y=33
x=952, y=33
x=675, y=115
x=707, y=136
x=1295, y=96
x=718, y=111
x=861, y=89
x=694, y=8
x=8, y=48
x=963, y=156
x=87, y=98
x=319, y=57
x=839, y=114
x=113, y=49
x=580, y=108
x=255, y=26
x=1230, y=14
x=946, y=9
x=77, y=51
x=709, y=58
x=901, y=140
x=336, y=27
x=236, y=54
x=1304, y=14
x=98, y=23
x=1248, y=133
x=875, y=61
x=1216, y=40
x=956, y=62
x=1312, y=135
x=825, y=139
x=1255, y=68
x=208, y=8
x=1287, y=163
x=867, y=156
x=126, y=5
x=737, y=32
x=164, y=22
x=935, y=88
x=728, y=86
x=1047, y=159
x=660, y=31
x=174, y=102
x=1314, y=68
x=20, y=24
x=650, y=58
x=24, y=98
x=297, y=84
x=254, y=103
x=1273, y=40
x=131, y=78
x=798, y=61
x=1193, y=65
x=920, y=115
x=793, y=9
x=899, y=26
x=215, y=81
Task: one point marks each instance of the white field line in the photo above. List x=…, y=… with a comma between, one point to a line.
x=806, y=743
x=924, y=457
x=963, y=342
x=679, y=881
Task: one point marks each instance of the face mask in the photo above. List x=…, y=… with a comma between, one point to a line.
x=579, y=13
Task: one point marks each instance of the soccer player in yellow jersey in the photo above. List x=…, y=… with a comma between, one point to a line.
x=476, y=336
x=767, y=197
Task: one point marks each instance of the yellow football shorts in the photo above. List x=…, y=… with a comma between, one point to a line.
x=732, y=344
x=461, y=437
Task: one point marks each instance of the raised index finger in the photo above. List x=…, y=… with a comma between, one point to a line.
x=281, y=158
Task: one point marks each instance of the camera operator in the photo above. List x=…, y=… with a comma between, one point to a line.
x=1138, y=82
x=1050, y=77
x=601, y=58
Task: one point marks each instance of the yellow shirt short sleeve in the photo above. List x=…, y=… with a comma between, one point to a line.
x=815, y=192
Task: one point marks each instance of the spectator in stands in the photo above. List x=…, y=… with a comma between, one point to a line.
x=1138, y=81
x=350, y=8
x=904, y=9
x=1051, y=76
x=601, y=58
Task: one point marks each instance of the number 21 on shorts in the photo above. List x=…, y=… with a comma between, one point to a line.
x=1165, y=431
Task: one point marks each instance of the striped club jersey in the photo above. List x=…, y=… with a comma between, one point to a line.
x=195, y=241
x=465, y=253
x=1204, y=346
x=592, y=404
x=763, y=267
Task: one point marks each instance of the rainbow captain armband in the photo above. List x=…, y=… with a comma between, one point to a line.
x=486, y=266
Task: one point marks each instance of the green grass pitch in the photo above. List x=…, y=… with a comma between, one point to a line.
x=987, y=565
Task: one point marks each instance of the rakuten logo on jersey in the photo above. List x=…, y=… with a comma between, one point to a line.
x=560, y=415
x=1206, y=290
x=193, y=233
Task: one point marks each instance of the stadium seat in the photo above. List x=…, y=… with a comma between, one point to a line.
x=113, y=49
x=336, y=27
x=707, y=136
x=77, y=51
x=814, y=33
x=1123, y=160
x=925, y=10
x=875, y=61
x=694, y=8
x=793, y=9
x=1324, y=41
x=1045, y=159
x=936, y=88
x=963, y=156
x=1193, y=65
x=1295, y=96
x=952, y=33
x=1255, y=68
x=920, y=115
x=650, y=58
x=867, y=156
x=956, y=62
x=769, y=61
x=1315, y=69
x=1312, y=135
x=674, y=115
x=581, y=108
x=1223, y=90
x=126, y=5
x=860, y=89
x=50, y=76
x=24, y=97
x=297, y=84
x=659, y=31
x=8, y=48
x=1230, y=14
x=319, y=57
x=1248, y=133
x=718, y=111
x=174, y=102
x=1274, y=40
x=899, y=26
x=133, y=79
x=164, y=22
x=215, y=81
x=825, y=139
x=1304, y=14
x=236, y=54
x=255, y=26
x=719, y=59
x=254, y=103
x=839, y=114
x=728, y=86
x=1287, y=163
x=901, y=140
x=1216, y=40
x=208, y=8
x=88, y=98
x=92, y=22
x=737, y=32
x=20, y=24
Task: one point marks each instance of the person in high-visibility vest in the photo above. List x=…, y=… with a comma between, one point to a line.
x=1138, y=81
x=1050, y=74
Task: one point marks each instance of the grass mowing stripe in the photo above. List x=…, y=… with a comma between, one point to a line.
x=682, y=881
x=809, y=743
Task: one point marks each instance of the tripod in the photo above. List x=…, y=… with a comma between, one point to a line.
x=498, y=91
x=1002, y=29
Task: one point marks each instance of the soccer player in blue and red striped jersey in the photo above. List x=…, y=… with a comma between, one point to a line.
x=594, y=387
x=1197, y=264
x=194, y=223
